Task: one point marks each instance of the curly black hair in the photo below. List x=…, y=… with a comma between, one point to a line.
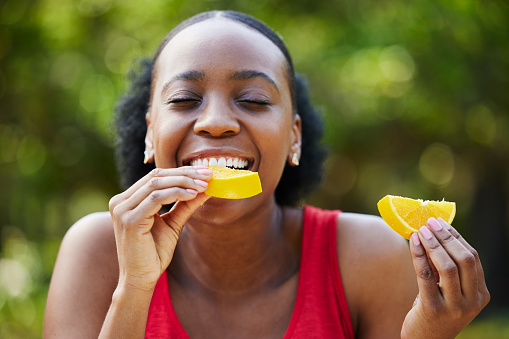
x=296, y=182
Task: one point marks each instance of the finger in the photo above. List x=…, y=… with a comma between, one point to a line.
x=426, y=281
x=145, y=211
x=156, y=184
x=463, y=258
x=182, y=210
x=168, y=227
x=447, y=269
x=194, y=172
x=435, y=272
x=479, y=270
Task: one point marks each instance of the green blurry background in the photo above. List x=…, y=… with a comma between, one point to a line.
x=415, y=95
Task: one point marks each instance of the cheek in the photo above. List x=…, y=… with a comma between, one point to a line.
x=273, y=137
x=168, y=136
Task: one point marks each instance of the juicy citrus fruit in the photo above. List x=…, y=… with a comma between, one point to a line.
x=406, y=216
x=233, y=184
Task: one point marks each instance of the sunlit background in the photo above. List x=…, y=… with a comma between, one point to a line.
x=415, y=96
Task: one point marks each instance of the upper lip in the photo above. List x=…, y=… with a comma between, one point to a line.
x=217, y=153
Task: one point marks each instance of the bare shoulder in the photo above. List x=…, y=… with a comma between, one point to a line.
x=377, y=274
x=92, y=234
x=90, y=242
x=84, y=277
x=368, y=235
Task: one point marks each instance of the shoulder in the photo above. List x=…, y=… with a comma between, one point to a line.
x=90, y=242
x=94, y=230
x=85, y=273
x=377, y=272
x=368, y=235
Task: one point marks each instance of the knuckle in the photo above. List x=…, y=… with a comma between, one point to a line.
x=155, y=172
x=154, y=182
x=117, y=211
x=154, y=196
x=449, y=237
x=450, y=269
x=425, y=273
x=114, y=201
x=454, y=232
x=435, y=245
x=475, y=254
x=469, y=259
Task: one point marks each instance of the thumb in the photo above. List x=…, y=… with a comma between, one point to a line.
x=167, y=227
x=181, y=211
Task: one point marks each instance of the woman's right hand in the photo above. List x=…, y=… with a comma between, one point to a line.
x=146, y=240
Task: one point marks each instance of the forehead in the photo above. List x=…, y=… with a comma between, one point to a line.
x=220, y=44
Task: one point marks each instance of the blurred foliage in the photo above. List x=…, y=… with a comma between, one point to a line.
x=414, y=95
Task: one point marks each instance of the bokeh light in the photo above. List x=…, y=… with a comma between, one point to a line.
x=414, y=97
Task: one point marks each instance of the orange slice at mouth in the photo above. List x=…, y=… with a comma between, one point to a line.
x=229, y=183
x=406, y=216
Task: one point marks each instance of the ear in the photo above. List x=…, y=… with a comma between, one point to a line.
x=296, y=142
x=149, y=144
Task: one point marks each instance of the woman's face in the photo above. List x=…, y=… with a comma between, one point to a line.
x=220, y=90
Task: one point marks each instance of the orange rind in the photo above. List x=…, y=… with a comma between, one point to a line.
x=406, y=216
x=229, y=183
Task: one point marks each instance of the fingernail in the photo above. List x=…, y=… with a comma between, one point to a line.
x=205, y=171
x=191, y=191
x=434, y=224
x=426, y=232
x=415, y=239
x=443, y=222
x=200, y=166
x=201, y=183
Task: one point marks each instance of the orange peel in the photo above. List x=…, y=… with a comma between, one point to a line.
x=229, y=183
x=406, y=216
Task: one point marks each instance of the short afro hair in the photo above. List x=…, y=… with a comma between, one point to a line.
x=296, y=182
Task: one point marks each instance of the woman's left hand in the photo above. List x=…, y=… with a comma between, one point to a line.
x=452, y=290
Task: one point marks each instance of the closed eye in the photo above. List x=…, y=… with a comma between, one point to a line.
x=183, y=102
x=179, y=100
x=254, y=104
x=256, y=101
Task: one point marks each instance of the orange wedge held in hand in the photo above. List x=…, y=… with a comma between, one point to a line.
x=229, y=183
x=406, y=216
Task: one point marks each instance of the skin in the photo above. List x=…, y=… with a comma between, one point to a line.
x=203, y=104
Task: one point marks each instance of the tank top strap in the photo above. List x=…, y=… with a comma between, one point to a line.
x=321, y=310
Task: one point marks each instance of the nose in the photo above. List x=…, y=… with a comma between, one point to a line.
x=217, y=120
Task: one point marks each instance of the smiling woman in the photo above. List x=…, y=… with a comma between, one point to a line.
x=221, y=90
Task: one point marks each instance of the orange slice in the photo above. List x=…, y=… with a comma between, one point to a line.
x=228, y=183
x=406, y=216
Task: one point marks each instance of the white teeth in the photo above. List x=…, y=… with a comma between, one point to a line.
x=212, y=162
x=221, y=162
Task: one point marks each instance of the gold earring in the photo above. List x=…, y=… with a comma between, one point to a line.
x=146, y=159
x=295, y=159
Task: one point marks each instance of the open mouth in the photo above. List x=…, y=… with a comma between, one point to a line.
x=231, y=162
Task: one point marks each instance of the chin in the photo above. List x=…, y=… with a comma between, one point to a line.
x=217, y=211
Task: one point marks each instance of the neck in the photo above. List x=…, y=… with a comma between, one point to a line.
x=242, y=256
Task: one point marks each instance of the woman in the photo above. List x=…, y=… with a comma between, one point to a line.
x=223, y=89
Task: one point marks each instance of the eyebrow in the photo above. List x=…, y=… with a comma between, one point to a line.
x=239, y=75
x=189, y=75
x=250, y=74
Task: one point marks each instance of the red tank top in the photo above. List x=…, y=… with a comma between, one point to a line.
x=320, y=309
